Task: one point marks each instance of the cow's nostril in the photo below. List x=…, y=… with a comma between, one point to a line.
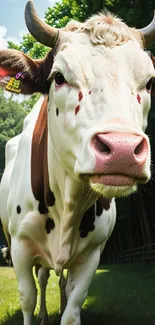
x=101, y=146
x=140, y=148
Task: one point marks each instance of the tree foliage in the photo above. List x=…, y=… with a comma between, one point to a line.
x=57, y=16
x=63, y=12
x=30, y=47
x=33, y=48
x=136, y=13
x=11, y=122
x=132, y=12
x=12, y=115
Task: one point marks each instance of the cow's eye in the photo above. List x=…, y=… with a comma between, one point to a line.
x=59, y=79
x=149, y=84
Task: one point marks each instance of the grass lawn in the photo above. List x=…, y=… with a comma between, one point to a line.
x=119, y=295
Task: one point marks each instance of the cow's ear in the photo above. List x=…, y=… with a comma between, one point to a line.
x=21, y=74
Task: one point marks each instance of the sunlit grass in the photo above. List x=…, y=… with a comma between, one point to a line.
x=9, y=298
x=119, y=295
x=102, y=271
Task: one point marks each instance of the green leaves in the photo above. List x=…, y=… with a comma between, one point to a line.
x=11, y=45
x=132, y=12
x=57, y=16
x=12, y=115
x=32, y=48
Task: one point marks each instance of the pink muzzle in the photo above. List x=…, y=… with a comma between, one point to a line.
x=120, y=158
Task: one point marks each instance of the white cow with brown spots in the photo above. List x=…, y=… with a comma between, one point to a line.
x=83, y=144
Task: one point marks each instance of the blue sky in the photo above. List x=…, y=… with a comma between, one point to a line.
x=12, y=25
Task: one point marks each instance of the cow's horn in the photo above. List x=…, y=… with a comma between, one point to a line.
x=41, y=31
x=148, y=33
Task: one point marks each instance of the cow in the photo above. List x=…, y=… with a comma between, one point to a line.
x=82, y=146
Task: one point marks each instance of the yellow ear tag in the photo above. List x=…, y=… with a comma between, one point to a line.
x=13, y=85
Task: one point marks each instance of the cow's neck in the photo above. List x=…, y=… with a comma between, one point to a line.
x=74, y=200
x=59, y=195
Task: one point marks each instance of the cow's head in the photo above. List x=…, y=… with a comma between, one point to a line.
x=99, y=78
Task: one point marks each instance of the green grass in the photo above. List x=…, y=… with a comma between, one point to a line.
x=119, y=295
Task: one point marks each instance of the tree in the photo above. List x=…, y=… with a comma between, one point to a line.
x=12, y=115
x=132, y=12
x=33, y=48
x=128, y=10
x=59, y=15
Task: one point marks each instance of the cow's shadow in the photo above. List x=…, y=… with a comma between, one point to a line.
x=17, y=319
x=88, y=317
x=127, y=303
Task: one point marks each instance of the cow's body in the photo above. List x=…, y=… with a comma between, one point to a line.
x=29, y=224
x=80, y=147
x=32, y=232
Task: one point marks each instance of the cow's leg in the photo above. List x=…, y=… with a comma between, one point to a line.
x=22, y=258
x=43, y=275
x=63, y=299
x=78, y=282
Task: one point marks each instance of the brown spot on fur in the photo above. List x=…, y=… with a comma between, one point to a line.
x=80, y=95
x=57, y=111
x=39, y=166
x=102, y=204
x=139, y=98
x=18, y=209
x=49, y=225
x=99, y=208
x=77, y=109
x=87, y=222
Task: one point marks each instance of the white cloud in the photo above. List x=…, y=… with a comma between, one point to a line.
x=52, y=2
x=13, y=39
x=22, y=32
x=4, y=39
